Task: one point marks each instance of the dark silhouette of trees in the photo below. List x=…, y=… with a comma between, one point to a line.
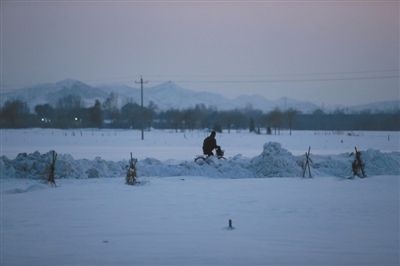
x=290, y=116
x=44, y=110
x=275, y=119
x=15, y=113
x=252, y=125
x=70, y=112
x=131, y=115
x=149, y=114
x=70, y=102
x=45, y=113
x=111, y=112
x=96, y=115
x=228, y=119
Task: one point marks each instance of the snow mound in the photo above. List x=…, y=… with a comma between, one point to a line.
x=36, y=166
x=378, y=163
x=274, y=161
x=67, y=166
x=25, y=165
x=212, y=167
x=331, y=165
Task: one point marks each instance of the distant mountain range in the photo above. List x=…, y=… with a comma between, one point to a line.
x=169, y=95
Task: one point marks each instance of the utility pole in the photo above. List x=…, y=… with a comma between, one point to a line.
x=141, y=103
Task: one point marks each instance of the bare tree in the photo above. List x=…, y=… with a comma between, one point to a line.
x=275, y=118
x=290, y=115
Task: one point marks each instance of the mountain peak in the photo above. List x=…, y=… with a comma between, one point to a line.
x=70, y=83
x=168, y=85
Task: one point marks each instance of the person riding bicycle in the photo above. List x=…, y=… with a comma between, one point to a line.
x=209, y=144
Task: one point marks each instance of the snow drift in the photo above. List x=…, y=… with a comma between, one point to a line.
x=274, y=161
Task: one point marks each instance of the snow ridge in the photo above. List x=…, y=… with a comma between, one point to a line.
x=274, y=161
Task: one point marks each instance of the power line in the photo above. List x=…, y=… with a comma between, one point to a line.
x=254, y=78
x=285, y=75
x=288, y=80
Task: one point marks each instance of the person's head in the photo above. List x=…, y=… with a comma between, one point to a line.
x=213, y=133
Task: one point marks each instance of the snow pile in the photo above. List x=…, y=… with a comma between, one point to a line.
x=378, y=163
x=212, y=167
x=36, y=166
x=32, y=166
x=68, y=167
x=331, y=165
x=274, y=161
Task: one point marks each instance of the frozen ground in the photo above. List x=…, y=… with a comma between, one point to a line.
x=274, y=161
x=116, y=145
x=183, y=221
x=173, y=218
x=167, y=153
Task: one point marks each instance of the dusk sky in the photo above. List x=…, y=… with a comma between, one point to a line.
x=328, y=52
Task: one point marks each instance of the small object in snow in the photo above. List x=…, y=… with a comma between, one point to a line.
x=52, y=168
x=230, y=227
x=105, y=241
x=131, y=174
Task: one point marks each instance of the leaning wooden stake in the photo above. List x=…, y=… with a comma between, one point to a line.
x=131, y=174
x=52, y=169
x=358, y=165
x=306, y=164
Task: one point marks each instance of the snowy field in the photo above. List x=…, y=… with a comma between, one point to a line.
x=112, y=144
x=183, y=221
x=178, y=214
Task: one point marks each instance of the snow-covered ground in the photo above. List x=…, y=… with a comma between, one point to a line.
x=167, y=153
x=183, y=221
x=178, y=214
x=111, y=144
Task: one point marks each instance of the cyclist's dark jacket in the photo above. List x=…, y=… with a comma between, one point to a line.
x=209, y=145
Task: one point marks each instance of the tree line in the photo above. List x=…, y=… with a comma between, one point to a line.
x=70, y=112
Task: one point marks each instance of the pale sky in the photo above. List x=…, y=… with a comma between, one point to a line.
x=327, y=52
